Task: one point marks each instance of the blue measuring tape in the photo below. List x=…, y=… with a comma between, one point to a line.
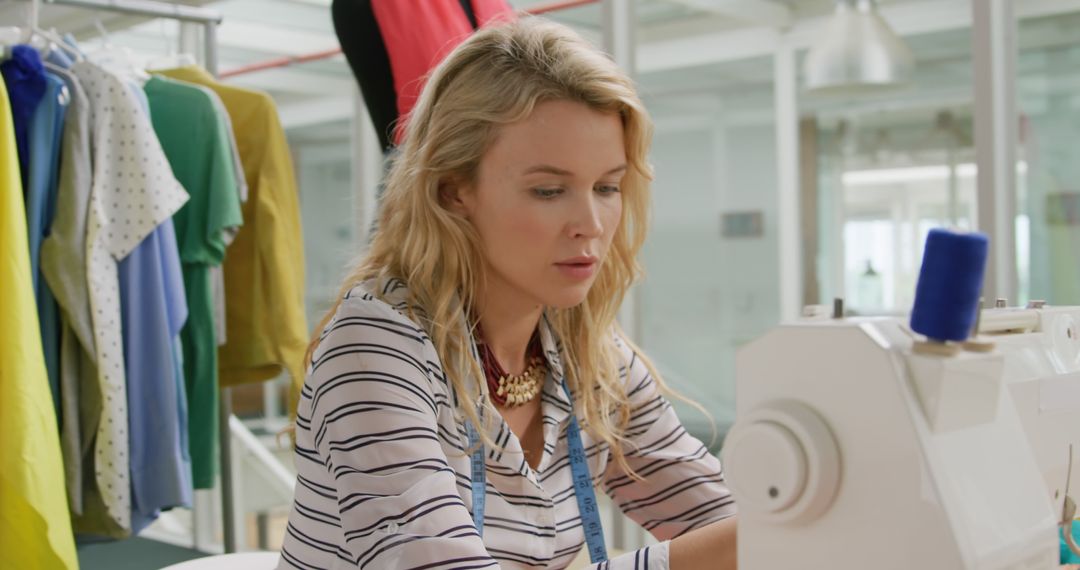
x=479, y=479
x=583, y=487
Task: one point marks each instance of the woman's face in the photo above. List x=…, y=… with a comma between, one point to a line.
x=547, y=202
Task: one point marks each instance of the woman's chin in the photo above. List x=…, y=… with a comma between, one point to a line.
x=568, y=298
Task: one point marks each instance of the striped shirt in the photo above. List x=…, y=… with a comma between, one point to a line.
x=384, y=481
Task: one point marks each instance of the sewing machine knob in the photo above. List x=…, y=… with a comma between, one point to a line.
x=782, y=463
x=1065, y=339
x=770, y=464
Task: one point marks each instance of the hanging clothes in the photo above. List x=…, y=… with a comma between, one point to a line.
x=43, y=140
x=35, y=530
x=154, y=310
x=57, y=57
x=25, y=78
x=265, y=265
x=217, y=274
x=196, y=143
x=234, y=151
x=63, y=265
x=133, y=192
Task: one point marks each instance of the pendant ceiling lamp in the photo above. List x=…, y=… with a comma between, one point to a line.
x=857, y=52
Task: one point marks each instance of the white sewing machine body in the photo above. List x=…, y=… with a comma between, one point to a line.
x=1042, y=370
x=850, y=450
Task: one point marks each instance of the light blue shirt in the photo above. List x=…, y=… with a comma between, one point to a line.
x=46, y=130
x=154, y=309
x=59, y=57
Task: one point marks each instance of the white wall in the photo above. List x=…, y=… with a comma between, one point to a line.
x=704, y=295
x=326, y=197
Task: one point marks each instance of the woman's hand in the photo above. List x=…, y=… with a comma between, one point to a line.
x=710, y=547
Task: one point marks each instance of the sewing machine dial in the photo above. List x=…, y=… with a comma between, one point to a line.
x=1065, y=337
x=782, y=463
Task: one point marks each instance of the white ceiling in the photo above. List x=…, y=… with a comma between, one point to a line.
x=693, y=54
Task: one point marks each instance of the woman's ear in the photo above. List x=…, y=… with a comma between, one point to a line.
x=452, y=196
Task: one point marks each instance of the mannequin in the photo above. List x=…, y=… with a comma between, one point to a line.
x=391, y=45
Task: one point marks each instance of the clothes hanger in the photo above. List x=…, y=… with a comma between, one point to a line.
x=35, y=36
x=172, y=61
x=117, y=59
x=172, y=58
x=58, y=43
x=29, y=35
x=11, y=36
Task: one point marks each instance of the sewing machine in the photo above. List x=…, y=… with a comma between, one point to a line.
x=856, y=447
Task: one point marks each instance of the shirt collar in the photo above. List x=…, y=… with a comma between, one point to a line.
x=555, y=405
x=191, y=73
x=552, y=346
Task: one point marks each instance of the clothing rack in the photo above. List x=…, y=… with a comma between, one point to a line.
x=209, y=20
x=289, y=60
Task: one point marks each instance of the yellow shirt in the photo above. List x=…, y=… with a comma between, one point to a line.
x=35, y=525
x=266, y=329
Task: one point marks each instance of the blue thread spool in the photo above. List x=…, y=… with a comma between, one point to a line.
x=950, y=282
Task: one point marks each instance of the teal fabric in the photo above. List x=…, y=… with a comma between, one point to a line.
x=1067, y=555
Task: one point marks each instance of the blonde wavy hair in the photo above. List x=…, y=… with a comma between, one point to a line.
x=496, y=77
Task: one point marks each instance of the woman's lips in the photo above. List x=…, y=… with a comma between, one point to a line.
x=577, y=270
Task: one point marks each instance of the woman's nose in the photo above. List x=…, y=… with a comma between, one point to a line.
x=586, y=222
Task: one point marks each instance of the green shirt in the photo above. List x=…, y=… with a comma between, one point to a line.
x=196, y=141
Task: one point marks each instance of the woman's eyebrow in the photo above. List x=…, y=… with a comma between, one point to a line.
x=548, y=169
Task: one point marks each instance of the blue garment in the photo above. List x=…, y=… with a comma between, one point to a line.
x=24, y=76
x=46, y=130
x=153, y=310
x=181, y=394
x=60, y=58
x=153, y=307
x=72, y=43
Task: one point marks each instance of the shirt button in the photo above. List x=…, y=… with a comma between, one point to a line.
x=392, y=528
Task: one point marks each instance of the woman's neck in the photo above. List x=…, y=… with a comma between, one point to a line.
x=508, y=325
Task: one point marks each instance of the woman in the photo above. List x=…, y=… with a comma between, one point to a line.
x=439, y=419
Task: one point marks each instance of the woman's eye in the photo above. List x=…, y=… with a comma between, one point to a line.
x=547, y=192
x=608, y=189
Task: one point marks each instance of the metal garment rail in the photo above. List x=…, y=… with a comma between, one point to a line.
x=286, y=61
x=209, y=20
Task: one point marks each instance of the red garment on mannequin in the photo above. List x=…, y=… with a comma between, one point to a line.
x=418, y=34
